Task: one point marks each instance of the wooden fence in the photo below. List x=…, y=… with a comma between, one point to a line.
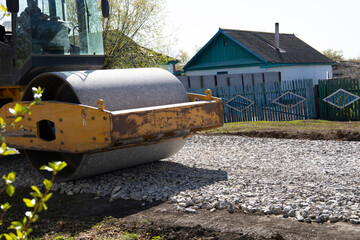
x=276, y=101
x=227, y=80
x=338, y=99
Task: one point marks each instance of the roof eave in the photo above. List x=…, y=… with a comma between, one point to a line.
x=270, y=65
x=223, y=67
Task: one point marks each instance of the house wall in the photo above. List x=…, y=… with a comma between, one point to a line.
x=168, y=67
x=222, y=51
x=314, y=72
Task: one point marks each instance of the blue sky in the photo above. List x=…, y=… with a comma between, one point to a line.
x=323, y=24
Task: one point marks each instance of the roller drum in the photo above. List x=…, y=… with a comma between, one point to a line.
x=120, y=90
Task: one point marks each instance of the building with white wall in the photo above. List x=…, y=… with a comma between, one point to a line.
x=244, y=52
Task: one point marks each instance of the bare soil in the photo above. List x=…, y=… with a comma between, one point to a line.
x=307, y=129
x=89, y=217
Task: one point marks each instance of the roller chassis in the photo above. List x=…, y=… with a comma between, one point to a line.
x=77, y=128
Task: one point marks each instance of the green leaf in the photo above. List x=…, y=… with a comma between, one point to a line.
x=28, y=231
x=27, y=110
x=47, y=168
x=5, y=206
x=35, y=194
x=51, y=165
x=18, y=119
x=2, y=7
x=3, y=147
x=24, y=222
x=18, y=109
x=11, y=177
x=29, y=202
x=10, y=190
x=19, y=234
x=41, y=208
x=35, y=218
x=2, y=123
x=13, y=236
x=61, y=166
x=44, y=206
x=54, y=166
x=16, y=225
x=37, y=92
x=36, y=190
x=10, y=236
x=47, y=197
x=9, y=152
x=48, y=184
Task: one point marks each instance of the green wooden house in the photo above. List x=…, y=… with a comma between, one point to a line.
x=243, y=52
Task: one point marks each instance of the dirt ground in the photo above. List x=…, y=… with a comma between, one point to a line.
x=89, y=217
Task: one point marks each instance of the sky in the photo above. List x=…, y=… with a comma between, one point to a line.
x=323, y=24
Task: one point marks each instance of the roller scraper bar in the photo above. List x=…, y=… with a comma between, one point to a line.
x=76, y=128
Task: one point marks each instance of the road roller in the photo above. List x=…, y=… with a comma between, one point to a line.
x=96, y=120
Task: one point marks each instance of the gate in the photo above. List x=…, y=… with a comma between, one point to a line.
x=339, y=99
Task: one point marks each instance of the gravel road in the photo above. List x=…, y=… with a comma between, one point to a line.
x=311, y=181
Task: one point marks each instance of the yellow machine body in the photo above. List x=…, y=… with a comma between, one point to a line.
x=79, y=128
x=104, y=120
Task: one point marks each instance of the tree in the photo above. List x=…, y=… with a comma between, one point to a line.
x=350, y=68
x=336, y=55
x=355, y=60
x=183, y=57
x=132, y=55
x=139, y=21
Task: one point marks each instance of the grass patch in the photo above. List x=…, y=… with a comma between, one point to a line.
x=299, y=129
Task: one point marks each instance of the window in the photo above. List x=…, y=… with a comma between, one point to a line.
x=225, y=42
x=58, y=27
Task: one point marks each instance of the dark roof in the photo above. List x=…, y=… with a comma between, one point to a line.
x=262, y=44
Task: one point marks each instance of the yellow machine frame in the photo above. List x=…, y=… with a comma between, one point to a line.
x=79, y=128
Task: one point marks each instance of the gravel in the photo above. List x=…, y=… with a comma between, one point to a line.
x=310, y=181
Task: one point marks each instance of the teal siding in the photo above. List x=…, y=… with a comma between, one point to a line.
x=260, y=102
x=216, y=53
